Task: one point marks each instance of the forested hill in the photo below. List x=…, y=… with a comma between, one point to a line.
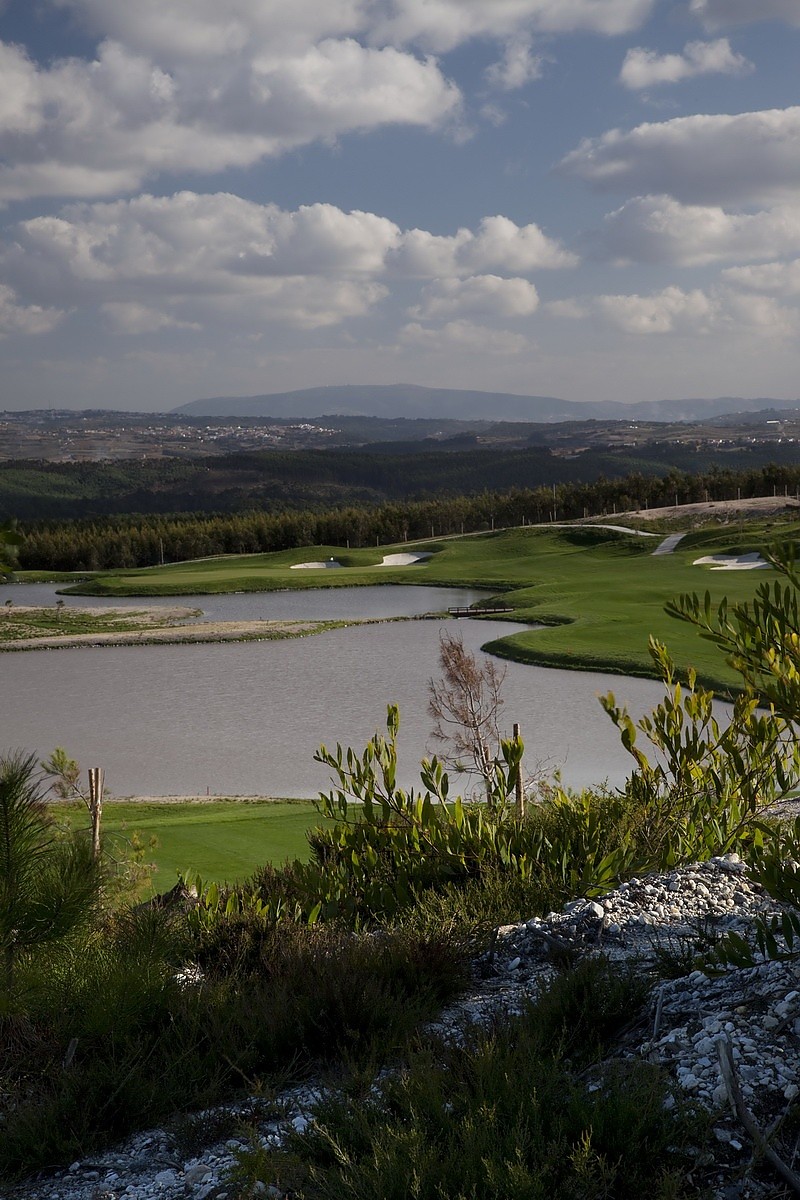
x=276, y=481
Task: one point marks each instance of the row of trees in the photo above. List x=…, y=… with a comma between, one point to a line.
x=145, y=540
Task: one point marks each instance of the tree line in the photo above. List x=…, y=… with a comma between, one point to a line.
x=142, y=540
x=275, y=481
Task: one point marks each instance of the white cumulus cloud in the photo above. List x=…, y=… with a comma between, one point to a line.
x=664, y=312
x=694, y=313
x=644, y=68
x=187, y=260
x=21, y=318
x=481, y=295
x=127, y=316
x=443, y=24
x=518, y=66
x=499, y=245
x=780, y=279
x=207, y=29
x=464, y=336
x=747, y=157
x=80, y=128
x=653, y=229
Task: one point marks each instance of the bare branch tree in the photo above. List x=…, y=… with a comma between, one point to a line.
x=465, y=704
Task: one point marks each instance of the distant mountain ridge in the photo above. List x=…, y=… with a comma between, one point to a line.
x=411, y=400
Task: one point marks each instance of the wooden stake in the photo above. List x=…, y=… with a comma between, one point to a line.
x=96, y=775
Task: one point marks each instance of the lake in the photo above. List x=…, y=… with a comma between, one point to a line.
x=246, y=718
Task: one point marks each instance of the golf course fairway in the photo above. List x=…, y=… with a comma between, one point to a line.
x=598, y=593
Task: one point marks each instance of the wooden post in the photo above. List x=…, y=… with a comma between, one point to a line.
x=520, y=789
x=487, y=772
x=96, y=806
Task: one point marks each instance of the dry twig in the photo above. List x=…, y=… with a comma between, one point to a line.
x=728, y=1073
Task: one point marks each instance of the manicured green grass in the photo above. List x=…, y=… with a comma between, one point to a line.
x=248, y=573
x=600, y=593
x=221, y=839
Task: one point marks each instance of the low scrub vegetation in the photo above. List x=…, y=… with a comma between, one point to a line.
x=146, y=1014
x=507, y=1115
x=114, y=1015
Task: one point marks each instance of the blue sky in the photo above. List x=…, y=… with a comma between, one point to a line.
x=593, y=199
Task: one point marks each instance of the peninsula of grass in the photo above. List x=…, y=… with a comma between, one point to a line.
x=20, y=624
x=62, y=628
x=219, y=839
x=599, y=593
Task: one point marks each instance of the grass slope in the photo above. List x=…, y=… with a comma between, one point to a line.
x=600, y=593
x=221, y=839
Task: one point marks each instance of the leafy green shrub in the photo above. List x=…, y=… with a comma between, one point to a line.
x=391, y=848
x=716, y=789
x=707, y=791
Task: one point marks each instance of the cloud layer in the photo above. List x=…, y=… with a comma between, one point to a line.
x=207, y=29
x=197, y=86
x=184, y=97
x=745, y=12
x=188, y=260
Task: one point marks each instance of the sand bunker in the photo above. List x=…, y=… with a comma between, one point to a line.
x=316, y=566
x=731, y=562
x=389, y=560
x=403, y=560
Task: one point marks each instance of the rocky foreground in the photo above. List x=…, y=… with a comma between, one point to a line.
x=750, y=1015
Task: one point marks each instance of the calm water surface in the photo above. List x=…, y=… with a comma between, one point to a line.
x=243, y=718
x=313, y=604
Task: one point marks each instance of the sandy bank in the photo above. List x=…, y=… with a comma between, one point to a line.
x=201, y=631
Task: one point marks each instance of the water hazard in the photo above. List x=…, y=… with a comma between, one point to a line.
x=246, y=718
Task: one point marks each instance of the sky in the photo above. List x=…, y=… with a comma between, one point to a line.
x=591, y=199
